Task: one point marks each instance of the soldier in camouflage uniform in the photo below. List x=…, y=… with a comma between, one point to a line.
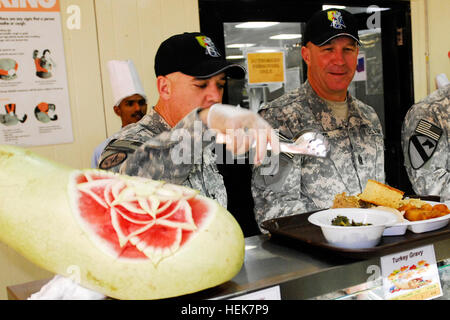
x=172, y=142
x=145, y=149
x=426, y=144
x=323, y=104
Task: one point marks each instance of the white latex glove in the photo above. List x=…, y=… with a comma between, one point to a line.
x=244, y=129
x=62, y=288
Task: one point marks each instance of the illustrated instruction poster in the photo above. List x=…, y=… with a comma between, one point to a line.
x=34, y=98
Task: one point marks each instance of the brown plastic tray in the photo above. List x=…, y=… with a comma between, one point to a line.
x=300, y=233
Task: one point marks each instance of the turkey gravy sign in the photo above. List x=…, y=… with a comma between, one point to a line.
x=34, y=98
x=411, y=275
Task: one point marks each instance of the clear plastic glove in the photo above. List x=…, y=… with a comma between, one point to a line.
x=244, y=129
x=63, y=288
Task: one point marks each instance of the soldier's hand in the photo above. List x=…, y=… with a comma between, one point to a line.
x=243, y=130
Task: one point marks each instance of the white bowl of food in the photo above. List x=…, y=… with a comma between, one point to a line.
x=362, y=228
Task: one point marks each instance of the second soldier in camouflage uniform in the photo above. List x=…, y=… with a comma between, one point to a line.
x=426, y=144
x=306, y=183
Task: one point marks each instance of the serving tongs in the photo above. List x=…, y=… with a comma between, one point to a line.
x=309, y=143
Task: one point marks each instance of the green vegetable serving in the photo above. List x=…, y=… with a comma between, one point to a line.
x=344, y=222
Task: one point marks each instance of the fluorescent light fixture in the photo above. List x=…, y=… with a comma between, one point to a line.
x=256, y=24
x=374, y=8
x=286, y=36
x=267, y=50
x=240, y=45
x=329, y=6
x=235, y=57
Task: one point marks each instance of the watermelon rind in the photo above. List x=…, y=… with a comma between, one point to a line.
x=38, y=221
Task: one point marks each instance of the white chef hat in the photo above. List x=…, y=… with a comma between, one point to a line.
x=124, y=80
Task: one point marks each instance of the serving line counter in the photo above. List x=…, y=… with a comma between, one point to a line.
x=295, y=272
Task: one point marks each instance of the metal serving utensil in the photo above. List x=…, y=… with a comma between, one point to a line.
x=309, y=143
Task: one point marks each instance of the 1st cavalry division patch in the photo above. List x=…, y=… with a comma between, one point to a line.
x=423, y=143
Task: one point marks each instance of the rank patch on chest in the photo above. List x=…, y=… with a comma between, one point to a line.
x=423, y=143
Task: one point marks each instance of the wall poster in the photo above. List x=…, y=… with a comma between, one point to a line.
x=34, y=98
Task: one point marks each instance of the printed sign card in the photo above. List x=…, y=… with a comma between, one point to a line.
x=272, y=293
x=411, y=275
x=265, y=67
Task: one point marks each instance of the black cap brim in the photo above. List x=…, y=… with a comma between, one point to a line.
x=213, y=67
x=344, y=34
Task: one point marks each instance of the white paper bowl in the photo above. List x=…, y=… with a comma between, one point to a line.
x=357, y=237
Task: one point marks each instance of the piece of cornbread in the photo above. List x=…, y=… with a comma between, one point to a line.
x=381, y=195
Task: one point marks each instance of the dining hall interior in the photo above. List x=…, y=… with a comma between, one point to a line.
x=406, y=44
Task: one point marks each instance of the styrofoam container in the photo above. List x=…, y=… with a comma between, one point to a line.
x=399, y=228
x=418, y=226
x=353, y=237
x=428, y=225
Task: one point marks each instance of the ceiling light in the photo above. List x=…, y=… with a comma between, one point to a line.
x=235, y=57
x=240, y=45
x=267, y=50
x=256, y=24
x=328, y=6
x=286, y=36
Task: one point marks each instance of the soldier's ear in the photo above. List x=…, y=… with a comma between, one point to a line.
x=164, y=87
x=306, y=55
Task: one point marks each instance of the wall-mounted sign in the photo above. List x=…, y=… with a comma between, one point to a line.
x=34, y=99
x=265, y=67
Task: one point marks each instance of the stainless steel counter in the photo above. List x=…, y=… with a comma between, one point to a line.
x=301, y=273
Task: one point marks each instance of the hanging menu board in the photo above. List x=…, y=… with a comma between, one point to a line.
x=34, y=99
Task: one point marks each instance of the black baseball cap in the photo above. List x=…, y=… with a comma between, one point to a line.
x=328, y=24
x=194, y=54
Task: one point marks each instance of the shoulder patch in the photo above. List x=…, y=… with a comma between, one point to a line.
x=429, y=130
x=112, y=160
x=123, y=145
x=423, y=143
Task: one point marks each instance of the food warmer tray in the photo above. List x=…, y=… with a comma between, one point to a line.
x=298, y=232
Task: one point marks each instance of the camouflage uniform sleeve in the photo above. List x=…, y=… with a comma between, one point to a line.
x=426, y=145
x=277, y=192
x=278, y=195
x=170, y=155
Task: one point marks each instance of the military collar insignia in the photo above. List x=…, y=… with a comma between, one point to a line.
x=423, y=143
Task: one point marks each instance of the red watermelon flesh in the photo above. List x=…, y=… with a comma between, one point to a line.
x=135, y=218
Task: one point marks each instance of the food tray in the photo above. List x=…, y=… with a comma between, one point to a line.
x=300, y=233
